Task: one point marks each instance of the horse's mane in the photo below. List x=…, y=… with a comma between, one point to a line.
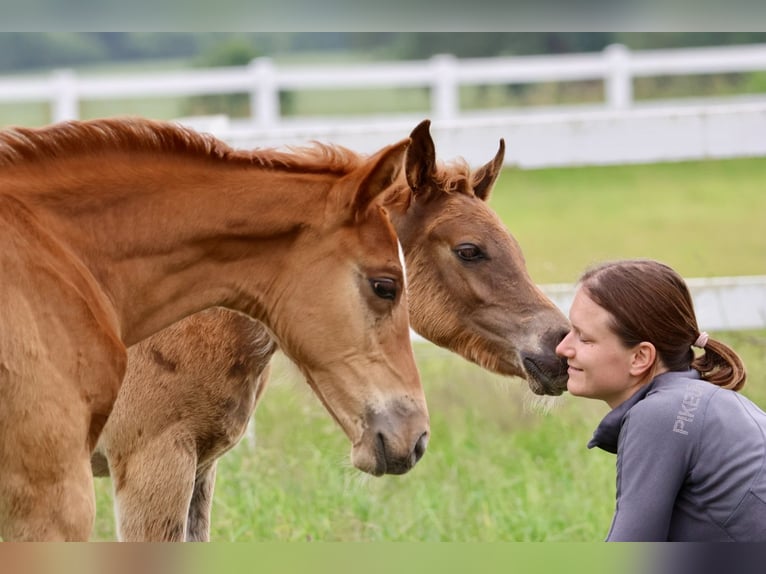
x=20, y=146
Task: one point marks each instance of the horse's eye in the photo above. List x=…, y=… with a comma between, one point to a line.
x=384, y=287
x=469, y=252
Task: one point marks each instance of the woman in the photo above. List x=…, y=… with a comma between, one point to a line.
x=691, y=451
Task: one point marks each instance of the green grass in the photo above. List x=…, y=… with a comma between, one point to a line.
x=705, y=218
x=501, y=466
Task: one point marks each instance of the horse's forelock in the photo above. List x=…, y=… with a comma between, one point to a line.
x=453, y=177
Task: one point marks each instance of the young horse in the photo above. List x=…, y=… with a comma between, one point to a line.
x=112, y=230
x=468, y=290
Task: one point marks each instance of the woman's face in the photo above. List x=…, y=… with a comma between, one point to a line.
x=599, y=364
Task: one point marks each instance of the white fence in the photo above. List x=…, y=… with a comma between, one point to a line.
x=617, y=130
x=574, y=138
x=616, y=66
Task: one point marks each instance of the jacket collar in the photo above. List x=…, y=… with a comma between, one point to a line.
x=607, y=432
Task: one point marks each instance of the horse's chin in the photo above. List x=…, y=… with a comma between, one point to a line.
x=539, y=382
x=542, y=376
x=367, y=462
x=542, y=382
x=542, y=389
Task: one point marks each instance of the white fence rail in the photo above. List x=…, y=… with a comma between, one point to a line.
x=443, y=75
x=641, y=135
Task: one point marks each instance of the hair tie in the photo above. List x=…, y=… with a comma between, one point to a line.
x=701, y=340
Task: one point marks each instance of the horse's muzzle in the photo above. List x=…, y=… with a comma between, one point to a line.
x=394, y=440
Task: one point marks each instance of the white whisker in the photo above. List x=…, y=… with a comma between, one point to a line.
x=540, y=404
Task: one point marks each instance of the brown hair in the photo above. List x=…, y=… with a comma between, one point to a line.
x=649, y=301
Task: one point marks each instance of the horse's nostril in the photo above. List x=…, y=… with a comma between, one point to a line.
x=420, y=446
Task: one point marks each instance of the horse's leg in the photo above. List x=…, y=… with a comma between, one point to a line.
x=153, y=488
x=198, y=526
x=41, y=510
x=46, y=485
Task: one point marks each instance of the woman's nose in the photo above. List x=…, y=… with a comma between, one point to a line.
x=563, y=348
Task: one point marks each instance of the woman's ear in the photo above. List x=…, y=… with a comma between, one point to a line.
x=643, y=358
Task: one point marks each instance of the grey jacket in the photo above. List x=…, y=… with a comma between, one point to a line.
x=691, y=463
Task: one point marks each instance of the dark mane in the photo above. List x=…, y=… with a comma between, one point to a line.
x=19, y=146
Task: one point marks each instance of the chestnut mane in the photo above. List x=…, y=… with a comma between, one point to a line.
x=20, y=146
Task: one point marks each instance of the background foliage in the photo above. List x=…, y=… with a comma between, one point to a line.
x=42, y=50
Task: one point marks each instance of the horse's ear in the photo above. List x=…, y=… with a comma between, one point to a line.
x=381, y=171
x=484, y=177
x=421, y=157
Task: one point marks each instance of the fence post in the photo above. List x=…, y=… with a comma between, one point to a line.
x=264, y=96
x=619, y=82
x=64, y=104
x=444, y=87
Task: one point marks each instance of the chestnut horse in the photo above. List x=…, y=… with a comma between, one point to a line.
x=112, y=230
x=190, y=390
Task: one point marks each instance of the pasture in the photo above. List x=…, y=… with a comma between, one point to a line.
x=502, y=465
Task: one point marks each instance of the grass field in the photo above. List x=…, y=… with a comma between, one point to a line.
x=501, y=465
x=704, y=217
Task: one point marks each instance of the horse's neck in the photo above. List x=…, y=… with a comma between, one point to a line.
x=165, y=247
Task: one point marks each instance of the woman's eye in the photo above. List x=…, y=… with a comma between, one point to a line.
x=384, y=287
x=469, y=252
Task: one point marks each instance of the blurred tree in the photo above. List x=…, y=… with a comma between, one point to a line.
x=24, y=51
x=660, y=40
x=419, y=45
x=145, y=45
x=44, y=50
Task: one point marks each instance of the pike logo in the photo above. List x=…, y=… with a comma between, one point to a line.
x=685, y=415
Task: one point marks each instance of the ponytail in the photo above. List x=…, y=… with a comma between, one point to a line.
x=720, y=365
